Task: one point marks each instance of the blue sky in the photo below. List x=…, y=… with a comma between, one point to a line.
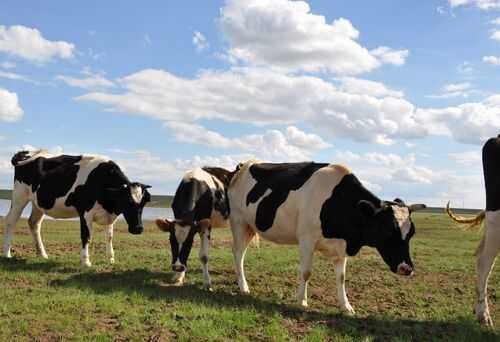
x=404, y=93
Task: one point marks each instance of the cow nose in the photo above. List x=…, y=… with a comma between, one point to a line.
x=405, y=269
x=178, y=268
x=137, y=230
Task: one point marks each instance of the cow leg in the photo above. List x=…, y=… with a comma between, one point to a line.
x=19, y=201
x=306, y=248
x=340, y=264
x=486, y=254
x=205, y=243
x=85, y=234
x=110, y=253
x=242, y=235
x=35, y=224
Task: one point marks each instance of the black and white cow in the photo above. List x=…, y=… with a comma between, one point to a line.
x=319, y=207
x=90, y=187
x=489, y=246
x=199, y=204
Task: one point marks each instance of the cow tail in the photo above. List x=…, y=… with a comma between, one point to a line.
x=471, y=221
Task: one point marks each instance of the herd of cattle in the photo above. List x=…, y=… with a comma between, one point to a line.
x=316, y=206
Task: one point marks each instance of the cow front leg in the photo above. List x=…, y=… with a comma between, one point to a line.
x=486, y=254
x=242, y=235
x=18, y=203
x=306, y=249
x=35, y=224
x=85, y=234
x=205, y=244
x=110, y=253
x=345, y=306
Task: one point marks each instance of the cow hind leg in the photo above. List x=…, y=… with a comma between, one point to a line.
x=205, y=243
x=35, y=223
x=242, y=235
x=110, y=253
x=306, y=248
x=19, y=201
x=486, y=254
x=85, y=234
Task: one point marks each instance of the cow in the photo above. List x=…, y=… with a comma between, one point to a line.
x=199, y=204
x=89, y=187
x=489, y=246
x=319, y=207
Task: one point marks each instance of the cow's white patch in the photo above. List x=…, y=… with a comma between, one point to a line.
x=402, y=215
x=137, y=193
x=181, y=233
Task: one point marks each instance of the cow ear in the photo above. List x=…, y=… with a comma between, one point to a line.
x=203, y=225
x=399, y=201
x=145, y=187
x=165, y=225
x=416, y=207
x=367, y=208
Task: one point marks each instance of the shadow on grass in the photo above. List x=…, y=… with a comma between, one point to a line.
x=19, y=264
x=150, y=285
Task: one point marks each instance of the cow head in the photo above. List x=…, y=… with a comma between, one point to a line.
x=181, y=238
x=389, y=229
x=129, y=200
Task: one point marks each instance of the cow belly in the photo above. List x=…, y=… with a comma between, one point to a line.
x=101, y=216
x=59, y=210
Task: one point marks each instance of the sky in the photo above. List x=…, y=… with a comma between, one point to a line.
x=404, y=93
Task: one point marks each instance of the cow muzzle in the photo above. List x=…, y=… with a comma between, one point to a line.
x=136, y=230
x=404, y=269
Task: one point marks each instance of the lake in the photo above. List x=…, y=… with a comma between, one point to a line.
x=147, y=214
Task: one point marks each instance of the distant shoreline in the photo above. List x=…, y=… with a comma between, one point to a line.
x=157, y=201
x=165, y=201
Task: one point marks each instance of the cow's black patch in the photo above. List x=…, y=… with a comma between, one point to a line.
x=192, y=201
x=340, y=215
x=280, y=179
x=50, y=178
x=491, y=168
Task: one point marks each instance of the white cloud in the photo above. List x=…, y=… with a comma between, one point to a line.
x=147, y=39
x=291, y=145
x=371, y=88
x=495, y=21
x=17, y=77
x=286, y=35
x=91, y=81
x=491, y=60
x=464, y=89
x=10, y=110
x=467, y=158
x=481, y=4
x=28, y=43
x=495, y=35
x=465, y=68
x=199, y=41
x=7, y=65
x=390, y=56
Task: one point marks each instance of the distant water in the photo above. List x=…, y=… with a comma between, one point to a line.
x=147, y=214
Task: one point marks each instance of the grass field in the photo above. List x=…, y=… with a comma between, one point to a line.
x=133, y=300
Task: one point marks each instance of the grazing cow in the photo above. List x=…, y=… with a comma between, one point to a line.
x=319, y=207
x=199, y=204
x=90, y=187
x=490, y=243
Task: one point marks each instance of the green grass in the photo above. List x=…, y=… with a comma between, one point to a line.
x=134, y=300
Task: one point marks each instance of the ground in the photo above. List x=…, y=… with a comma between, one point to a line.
x=55, y=299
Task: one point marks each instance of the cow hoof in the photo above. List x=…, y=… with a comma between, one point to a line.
x=208, y=288
x=86, y=263
x=303, y=303
x=348, y=310
x=44, y=256
x=485, y=319
x=111, y=261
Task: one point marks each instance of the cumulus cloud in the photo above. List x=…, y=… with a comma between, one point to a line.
x=464, y=89
x=7, y=65
x=28, y=43
x=286, y=35
x=495, y=35
x=199, y=41
x=291, y=145
x=90, y=81
x=467, y=158
x=10, y=109
x=371, y=88
x=482, y=4
x=492, y=60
